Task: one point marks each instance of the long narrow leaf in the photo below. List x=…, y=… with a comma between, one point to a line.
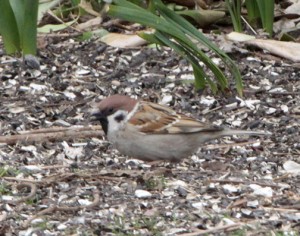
x=189, y=29
x=161, y=24
x=145, y=18
x=235, y=13
x=266, y=9
x=200, y=76
x=29, y=31
x=8, y=28
x=182, y=24
x=252, y=11
x=178, y=28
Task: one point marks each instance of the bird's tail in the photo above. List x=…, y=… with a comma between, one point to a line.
x=229, y=132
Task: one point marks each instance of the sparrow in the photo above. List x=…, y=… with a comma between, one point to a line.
x=151, y=132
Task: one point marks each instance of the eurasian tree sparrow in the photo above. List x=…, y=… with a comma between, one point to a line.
x=152, y=132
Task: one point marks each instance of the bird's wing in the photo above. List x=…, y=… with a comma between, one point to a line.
x=157, y=119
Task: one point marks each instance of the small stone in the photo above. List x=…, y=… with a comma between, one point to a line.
x=32, y=61
x=166, y=99
x=208, y=101
x=116, y=83
x=29, y=148
x=142, y=193
x=70, y=95
x=292, y=167
x=37, y=221
x=260, y=191
x=84, y=202
x=62, y=227
x=270, y=111
x=252, y=204
x=168, y=193
x=230, y=188
x=198, y=205
x=246, y=212
x=82, y=72
x=284, y=108
x=38, y=87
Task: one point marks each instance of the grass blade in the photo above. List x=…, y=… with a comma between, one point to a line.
x=174, y=26
x=266, y=9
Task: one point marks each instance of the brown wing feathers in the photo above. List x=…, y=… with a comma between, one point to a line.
x=153, y=118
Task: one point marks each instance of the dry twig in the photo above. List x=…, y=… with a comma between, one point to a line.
x=32, y=193
x=55, y=133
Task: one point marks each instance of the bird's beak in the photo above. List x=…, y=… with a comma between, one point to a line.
x=97, y=116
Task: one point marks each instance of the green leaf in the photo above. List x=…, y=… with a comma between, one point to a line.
x=252, y=11
x=151, y=38
x=266, y=9
x=29, y=27
x=8, y=28
x=189, y=29
x=234, y=7
x=174, y=31
x=200, y=76
x=85, y=36
x=18, y=25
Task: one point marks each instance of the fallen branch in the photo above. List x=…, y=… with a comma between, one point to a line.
x=54, y=133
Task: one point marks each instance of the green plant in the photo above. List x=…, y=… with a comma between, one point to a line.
x=156, y=182
x=174, y=31
x=18, y=25
x=5, y=189
x=31, y=201
x=149, y=223
x=118, y=226
x=238, y=232
x=253, y=14
x=266, y=12
x=234, y=7
x=8, y=171
x=257, y=10
x=41, y=225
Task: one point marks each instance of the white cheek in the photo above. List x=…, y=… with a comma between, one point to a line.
x=116, y=125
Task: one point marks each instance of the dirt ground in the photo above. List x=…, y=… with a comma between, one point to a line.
x=232, y=186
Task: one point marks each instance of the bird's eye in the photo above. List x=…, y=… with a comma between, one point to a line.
x=111, y=110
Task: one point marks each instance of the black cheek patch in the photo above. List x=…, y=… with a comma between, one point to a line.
x=119, y=118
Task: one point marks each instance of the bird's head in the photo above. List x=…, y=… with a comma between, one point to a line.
x=113, y=111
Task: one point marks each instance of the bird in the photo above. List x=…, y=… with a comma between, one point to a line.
x=152, y=132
